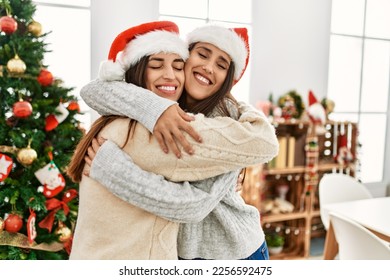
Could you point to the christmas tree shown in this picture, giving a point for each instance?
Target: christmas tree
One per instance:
(38, 133)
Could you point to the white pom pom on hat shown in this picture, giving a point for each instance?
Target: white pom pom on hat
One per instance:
(111, 71)
(233, 41)
(136, 42)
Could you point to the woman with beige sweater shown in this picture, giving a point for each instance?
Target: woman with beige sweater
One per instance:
(228, 145)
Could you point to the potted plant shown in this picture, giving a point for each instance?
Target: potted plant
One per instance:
(275, 243)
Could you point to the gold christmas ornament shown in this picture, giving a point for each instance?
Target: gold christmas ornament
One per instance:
(26, 156)
(35, 28)
(64, 232)
(16, 65)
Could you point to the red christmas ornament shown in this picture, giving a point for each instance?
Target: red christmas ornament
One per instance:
(22, 109)
(8, 25)
(74, 106)
(13, 223)
(45, 78)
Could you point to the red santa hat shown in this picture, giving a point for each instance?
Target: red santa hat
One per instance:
(312, 98)
(232, 41)
(142, 40)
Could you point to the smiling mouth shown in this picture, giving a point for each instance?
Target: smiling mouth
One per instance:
(203, 80)
(167, 89)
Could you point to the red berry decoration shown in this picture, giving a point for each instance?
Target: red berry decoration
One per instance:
(13, 223)
(8, 25)
(45, 78)
(22, 109)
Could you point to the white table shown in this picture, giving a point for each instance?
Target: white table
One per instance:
(374, 214)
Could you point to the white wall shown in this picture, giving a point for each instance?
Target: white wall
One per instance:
(290, 47)
(109, 18)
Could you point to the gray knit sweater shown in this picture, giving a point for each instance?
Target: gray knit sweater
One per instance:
(232, 230)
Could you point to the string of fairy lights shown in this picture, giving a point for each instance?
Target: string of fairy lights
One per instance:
(292, 230)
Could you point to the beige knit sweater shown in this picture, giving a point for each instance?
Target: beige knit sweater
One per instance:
(109, 228)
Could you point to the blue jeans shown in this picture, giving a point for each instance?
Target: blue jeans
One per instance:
(260, 254)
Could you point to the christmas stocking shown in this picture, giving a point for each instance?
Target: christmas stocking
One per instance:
(52, 180)
(53, 120)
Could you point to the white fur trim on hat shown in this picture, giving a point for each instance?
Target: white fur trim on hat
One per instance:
(226, 40)
(148, 44)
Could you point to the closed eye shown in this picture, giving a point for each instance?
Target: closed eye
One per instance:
(202, 55)
(178, 65)
(222, 66)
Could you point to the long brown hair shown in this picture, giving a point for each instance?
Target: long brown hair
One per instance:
(135, 75)
(215, 101)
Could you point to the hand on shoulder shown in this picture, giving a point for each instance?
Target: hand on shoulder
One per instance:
(169, 130)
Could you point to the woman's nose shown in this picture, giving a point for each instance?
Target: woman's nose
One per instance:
(208, 68)
(169, 73)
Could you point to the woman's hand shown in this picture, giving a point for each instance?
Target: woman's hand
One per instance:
(240, 180)
(92, 150)
(169, 131)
